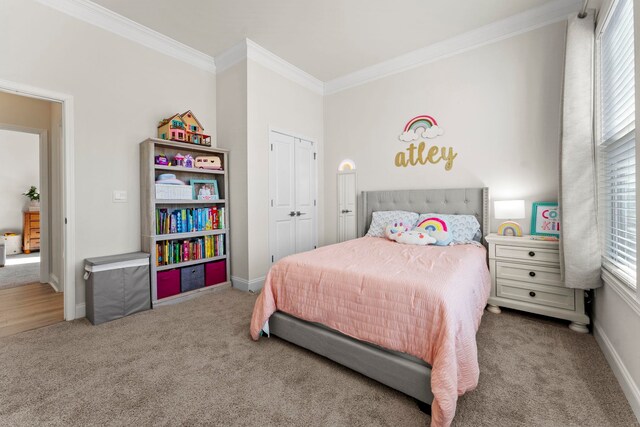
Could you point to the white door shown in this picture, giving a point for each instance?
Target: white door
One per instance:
(305, 190)
(347, 194)
(292, 187)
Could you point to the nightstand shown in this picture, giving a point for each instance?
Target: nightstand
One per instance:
(525, 275)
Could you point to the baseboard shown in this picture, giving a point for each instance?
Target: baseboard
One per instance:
(253, 285)
(55, 282)
(628, 385)
(81, 311)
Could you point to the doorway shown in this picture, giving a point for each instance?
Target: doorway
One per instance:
(292, 194)
(20, 224)
(34, 290)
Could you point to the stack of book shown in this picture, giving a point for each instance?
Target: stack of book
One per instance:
(176, 251)
(189, 220)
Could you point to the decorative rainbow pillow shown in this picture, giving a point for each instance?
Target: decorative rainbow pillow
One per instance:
(403, 234)
(438, 229)
(463, 228)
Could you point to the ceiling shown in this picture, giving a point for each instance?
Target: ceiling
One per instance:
(326, 38)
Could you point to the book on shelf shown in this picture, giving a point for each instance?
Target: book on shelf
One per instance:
(189, 220)
(176, 251)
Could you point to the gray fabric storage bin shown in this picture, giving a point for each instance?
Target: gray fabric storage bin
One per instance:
(3, 253)
(191, 278)
(117, 286)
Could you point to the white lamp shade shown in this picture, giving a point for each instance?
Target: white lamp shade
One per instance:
(509, 209)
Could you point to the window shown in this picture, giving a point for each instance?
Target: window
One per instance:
(616, 142)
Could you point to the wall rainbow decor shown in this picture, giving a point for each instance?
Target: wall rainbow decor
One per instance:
(423, 127)
(420, 121)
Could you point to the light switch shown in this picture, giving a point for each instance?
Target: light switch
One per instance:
(119, 196)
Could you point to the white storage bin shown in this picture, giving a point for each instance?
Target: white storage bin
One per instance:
(176, 192)
(13, 244)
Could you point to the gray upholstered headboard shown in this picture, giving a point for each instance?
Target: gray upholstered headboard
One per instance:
(467, 201)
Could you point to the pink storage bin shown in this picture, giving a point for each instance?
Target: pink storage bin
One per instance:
(215, 273)
(168, 283)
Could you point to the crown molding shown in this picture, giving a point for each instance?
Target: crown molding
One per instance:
(269, 60)
(248, 49)
(231, 56)
(532, 19)
(106, 19)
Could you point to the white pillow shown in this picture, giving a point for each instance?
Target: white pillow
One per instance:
(380, 219)
(399, 233)
(463, 228)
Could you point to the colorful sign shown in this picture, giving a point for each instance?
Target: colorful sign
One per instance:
(545, 219)
(423, 127)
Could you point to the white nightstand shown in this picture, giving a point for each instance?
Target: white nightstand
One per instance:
(525, 275)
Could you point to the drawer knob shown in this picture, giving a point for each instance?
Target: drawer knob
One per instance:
(532, 294)
(532, 273)
(531, 253)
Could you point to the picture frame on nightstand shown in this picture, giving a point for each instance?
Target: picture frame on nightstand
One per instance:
(545, 219)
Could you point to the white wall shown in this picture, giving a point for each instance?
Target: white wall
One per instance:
(251, 100)
(617, 310)
(279, 103)
(499, 106)
(19, 170)
(121, 90)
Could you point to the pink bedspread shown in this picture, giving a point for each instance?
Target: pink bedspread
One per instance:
(426, 301)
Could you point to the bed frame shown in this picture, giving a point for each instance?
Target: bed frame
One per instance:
(400, 371)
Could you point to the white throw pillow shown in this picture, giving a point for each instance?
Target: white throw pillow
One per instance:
(463, 228)
(380, 219)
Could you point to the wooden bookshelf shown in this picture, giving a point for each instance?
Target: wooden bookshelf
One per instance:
(149, 171)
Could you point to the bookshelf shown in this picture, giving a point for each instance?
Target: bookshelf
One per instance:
(188, 239)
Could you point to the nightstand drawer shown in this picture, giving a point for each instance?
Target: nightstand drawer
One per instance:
(528, 254)
(528, 273)
(552, 296)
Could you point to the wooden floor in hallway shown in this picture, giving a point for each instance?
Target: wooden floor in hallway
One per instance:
(29, 307)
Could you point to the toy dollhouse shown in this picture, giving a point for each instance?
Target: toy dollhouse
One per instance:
(183, 127)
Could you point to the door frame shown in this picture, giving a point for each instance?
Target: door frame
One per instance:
(68, 184)
(315, 189)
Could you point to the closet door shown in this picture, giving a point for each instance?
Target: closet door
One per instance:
(347, 206)
(292, 186)
(282, 216)
(305, 190)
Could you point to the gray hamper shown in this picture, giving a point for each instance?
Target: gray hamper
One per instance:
(3, 253)
(117, 286)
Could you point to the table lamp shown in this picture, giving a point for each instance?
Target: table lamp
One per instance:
(509, 210)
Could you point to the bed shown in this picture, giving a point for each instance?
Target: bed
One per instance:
(361, 304)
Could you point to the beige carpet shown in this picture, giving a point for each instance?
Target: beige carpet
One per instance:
(194, 363)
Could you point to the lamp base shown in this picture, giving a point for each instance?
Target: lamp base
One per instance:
(510, 228)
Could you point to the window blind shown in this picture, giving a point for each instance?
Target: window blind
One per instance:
(617, 145)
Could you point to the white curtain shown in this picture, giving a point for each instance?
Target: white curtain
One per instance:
(579, 243)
